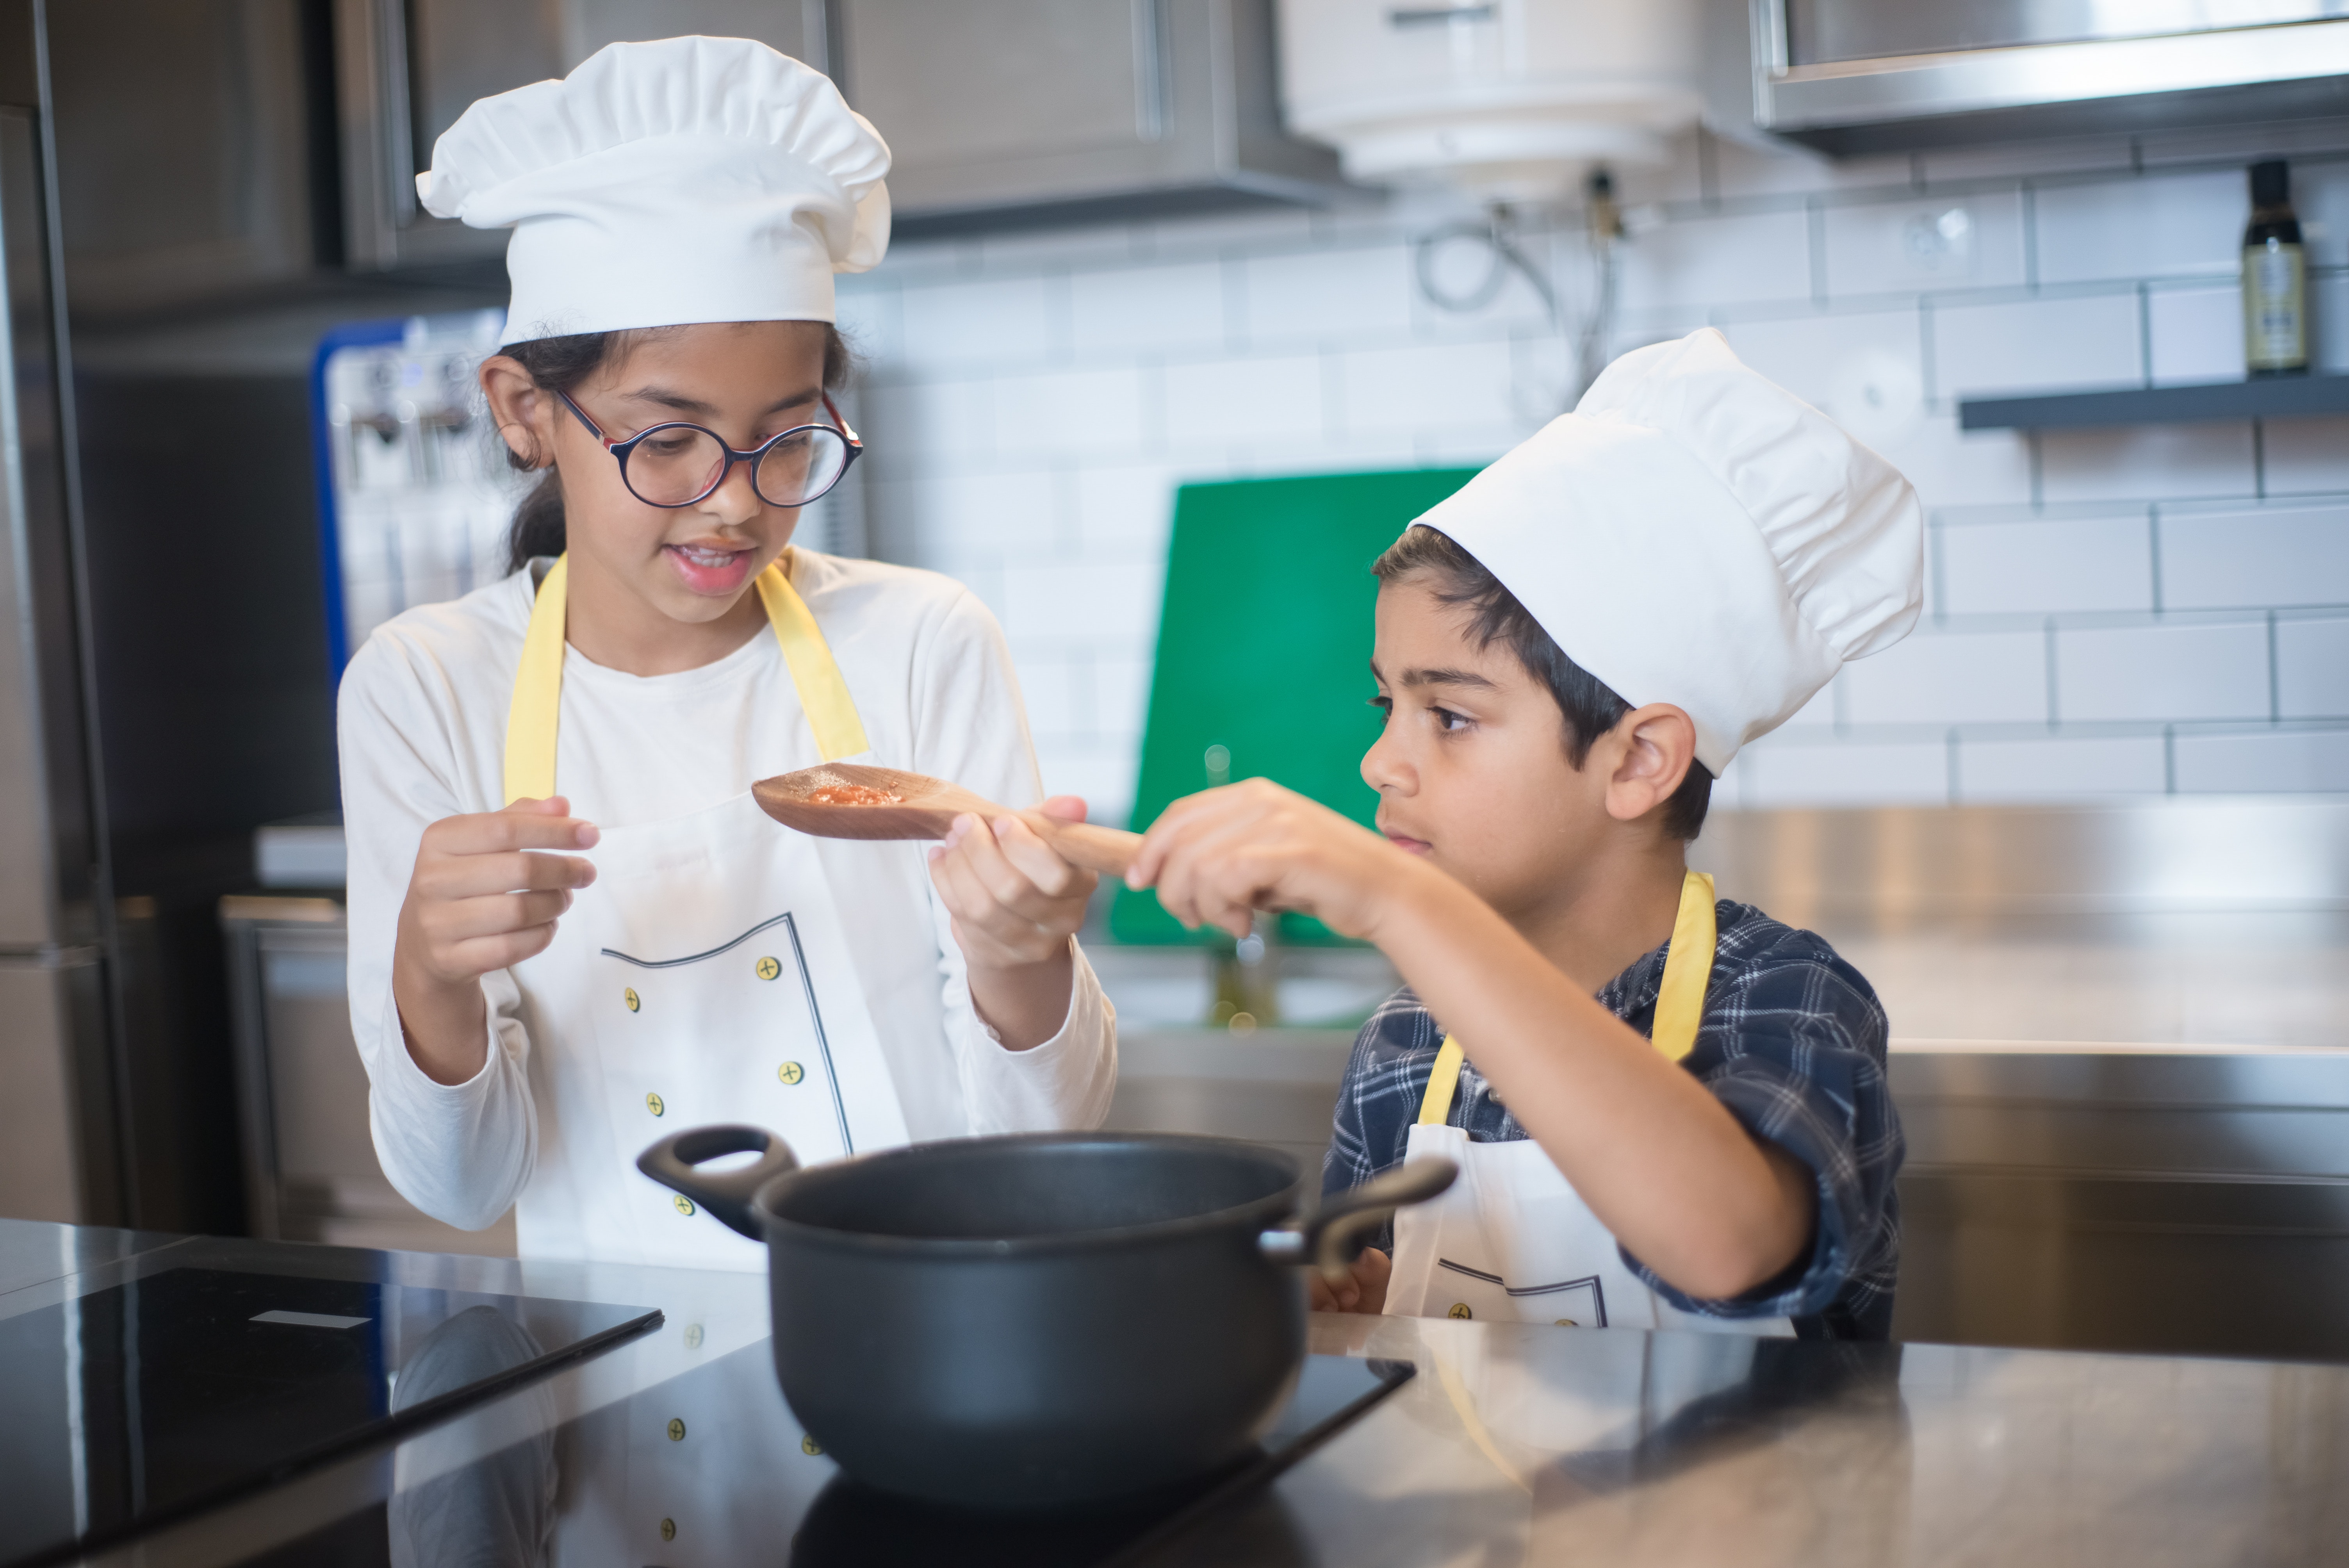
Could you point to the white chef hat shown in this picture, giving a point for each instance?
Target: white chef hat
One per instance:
(1693, 533)
(685, 180)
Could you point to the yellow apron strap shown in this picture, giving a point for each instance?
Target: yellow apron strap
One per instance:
(1435, 1105)
(1688, 968)
(823, 695)
(532, 721)
(1679, 999)
(538, 693)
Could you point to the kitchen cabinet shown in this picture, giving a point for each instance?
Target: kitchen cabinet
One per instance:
(1005, 112)
(187, 152)
(405, 70)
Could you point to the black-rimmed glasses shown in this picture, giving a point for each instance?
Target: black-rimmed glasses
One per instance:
(677, 464)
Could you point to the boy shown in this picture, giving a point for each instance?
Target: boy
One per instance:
(1668, 1111)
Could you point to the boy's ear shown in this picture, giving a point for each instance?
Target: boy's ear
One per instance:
(1654, 748)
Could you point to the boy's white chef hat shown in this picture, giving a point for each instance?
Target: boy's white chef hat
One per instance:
(1694, 533)
(685, 180)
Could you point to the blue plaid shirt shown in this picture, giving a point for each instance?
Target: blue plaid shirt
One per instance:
(1792, 1042)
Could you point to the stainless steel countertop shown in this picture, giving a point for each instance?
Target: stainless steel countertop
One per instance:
(1527, 1444)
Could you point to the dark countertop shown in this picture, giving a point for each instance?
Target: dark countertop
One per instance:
(1513, 1444)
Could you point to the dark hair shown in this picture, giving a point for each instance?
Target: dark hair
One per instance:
(562, 364)
(1588, 706)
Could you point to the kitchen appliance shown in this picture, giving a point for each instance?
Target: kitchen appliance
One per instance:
(59, 1140)
(1511, 99)
(167, 1393)
(1871, 75)
(1034, 1321)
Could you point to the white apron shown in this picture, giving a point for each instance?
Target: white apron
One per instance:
(1511, 1240)
(703, 977)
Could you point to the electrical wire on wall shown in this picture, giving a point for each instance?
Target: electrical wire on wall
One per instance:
(1501, 233)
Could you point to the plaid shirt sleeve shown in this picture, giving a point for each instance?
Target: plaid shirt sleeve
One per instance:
(1793, 1044)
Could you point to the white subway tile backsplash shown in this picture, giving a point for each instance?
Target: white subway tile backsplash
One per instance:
(1717, 261)
(908, 423)
(1429, 388)
(1863, 370)
(2150, 225)
(944, 520)
(1972, 677)
(1254, 401)
(2161, 672)
(1120, 697)
(1122, 309)
(2300, 456)
(2312, 669)
(2197, 333)
(1847, 773)
(1052, 688)
(869, 318)
(2293, 761)
(1917, 243)
(2061, 767)
(2147, 462)
(1951, 467)
(1108, 601)
(996, 320)
(1124, 513)
(2036, 344)
(2275, 557)
(1465, 269)
(2046, 566)
(1818, 714)
(1078, 414)
(1349, 293)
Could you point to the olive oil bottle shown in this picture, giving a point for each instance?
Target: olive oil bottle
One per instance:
(2275, 277)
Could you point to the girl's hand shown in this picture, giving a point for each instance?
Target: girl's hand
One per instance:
(478, 901)
(1015, 903)
(1364, 1288)
(1217, 858)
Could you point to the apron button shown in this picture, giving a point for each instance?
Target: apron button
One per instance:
(629, 996)
(684, 1204)
(668, 1530)
(810, 1447)
(768, 968)
(1460, 1309)
(676, 1430)
(653, 1104)
(790, 1072)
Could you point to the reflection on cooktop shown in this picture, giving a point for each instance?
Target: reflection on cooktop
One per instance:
(145, 1401)
(709, 1468)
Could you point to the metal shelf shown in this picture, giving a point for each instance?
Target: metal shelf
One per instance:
(2267, 398)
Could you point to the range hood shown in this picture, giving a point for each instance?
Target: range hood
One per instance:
(1875, 76)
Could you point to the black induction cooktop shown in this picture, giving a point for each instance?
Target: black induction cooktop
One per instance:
(709, 1468)
(124, 1409)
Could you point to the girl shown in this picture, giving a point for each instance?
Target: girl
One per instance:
(571, 929)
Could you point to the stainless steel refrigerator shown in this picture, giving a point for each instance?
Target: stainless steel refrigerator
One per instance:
(59, 1153)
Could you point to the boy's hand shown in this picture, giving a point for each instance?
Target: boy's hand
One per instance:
(1364, 1288)
(1217, 858)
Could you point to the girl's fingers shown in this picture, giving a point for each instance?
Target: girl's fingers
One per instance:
(1037, 864)
(482, 954)
(494, 915)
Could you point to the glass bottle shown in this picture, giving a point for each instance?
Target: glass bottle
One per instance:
(2275, 277)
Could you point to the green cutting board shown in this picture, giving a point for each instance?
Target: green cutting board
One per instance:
(1264, 650)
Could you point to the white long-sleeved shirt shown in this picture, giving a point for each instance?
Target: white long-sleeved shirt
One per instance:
(423, 720)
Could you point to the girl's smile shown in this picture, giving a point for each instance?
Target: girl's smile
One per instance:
(712, 571)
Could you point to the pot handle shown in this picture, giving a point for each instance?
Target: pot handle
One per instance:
(727, 1194)
(1332, 1235)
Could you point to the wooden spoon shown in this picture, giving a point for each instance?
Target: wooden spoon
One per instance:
(924, 808)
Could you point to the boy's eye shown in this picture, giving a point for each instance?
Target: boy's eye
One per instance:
(1445, 719)
(1383, 704)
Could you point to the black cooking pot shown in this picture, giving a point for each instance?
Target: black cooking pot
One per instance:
(1038, 1320)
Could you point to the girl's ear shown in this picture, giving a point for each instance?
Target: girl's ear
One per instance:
(519, 408)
